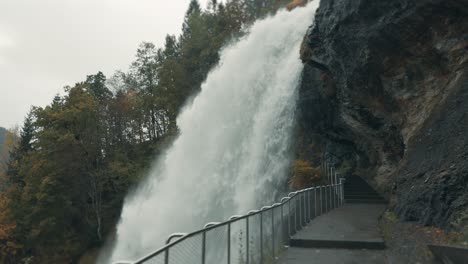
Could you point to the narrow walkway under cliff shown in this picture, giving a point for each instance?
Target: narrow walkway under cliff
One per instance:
(349, 234)
(346, 235)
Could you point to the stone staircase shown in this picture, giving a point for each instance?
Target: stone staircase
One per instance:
(357, 190)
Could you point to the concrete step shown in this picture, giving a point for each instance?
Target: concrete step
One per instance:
(363, 196)
(368, 201)
(341, 244)
(332, 256)
(361, 191)
(358, 188)
(357, 183)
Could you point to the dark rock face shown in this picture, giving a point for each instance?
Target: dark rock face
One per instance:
(385, 88)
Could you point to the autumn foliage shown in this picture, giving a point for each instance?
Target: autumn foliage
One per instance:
(296, 3)
(303, 174)
(77, 157)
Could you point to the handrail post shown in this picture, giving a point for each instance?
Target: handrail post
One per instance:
(315, 202)
(261, 236)
(301, 213)
(166, 256)
(308, 205)
(282, 224)
(339, 191)
(295, 214)
(304, 218)
(229, 243)
(312, 203)
(342, 191)
(204, 247)
(326, 198)
(331, 196)
(283, 227)
(298, 212)
(299, 209)
(330, 205)
(321, 201)
(273, 231)
(305, 208)
(336, 190)
(289, 219)
(247, 240)
(332, 187)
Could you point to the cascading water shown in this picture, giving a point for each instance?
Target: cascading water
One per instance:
(233, 151)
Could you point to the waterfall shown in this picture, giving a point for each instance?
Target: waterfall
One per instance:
(233, 151)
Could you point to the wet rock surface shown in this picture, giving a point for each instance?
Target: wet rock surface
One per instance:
(385, 93)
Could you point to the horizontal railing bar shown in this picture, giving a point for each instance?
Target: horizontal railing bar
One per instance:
(175, 235)
(211, 224)
(234, 217)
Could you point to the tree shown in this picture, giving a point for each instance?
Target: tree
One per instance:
(303, 174)
(9, 141)
(24, 146)
(145, 71)
(77, 157)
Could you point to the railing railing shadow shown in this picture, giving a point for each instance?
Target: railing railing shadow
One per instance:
(257, 237)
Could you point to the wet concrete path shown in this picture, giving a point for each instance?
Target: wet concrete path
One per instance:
(348, 234)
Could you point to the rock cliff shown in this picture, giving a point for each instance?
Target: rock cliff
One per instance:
(385, 95)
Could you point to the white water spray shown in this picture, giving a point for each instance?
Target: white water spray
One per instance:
(233, 151)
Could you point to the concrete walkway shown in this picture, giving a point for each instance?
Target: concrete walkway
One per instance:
(347, 235)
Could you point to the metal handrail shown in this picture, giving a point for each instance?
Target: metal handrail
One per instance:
(175, 235)
(211, 224)
(298, 206)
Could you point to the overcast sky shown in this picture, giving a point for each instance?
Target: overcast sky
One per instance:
(47, 44)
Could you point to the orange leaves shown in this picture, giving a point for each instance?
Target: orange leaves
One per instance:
(296, 3)
(5, 230)
(7, 245)
(3, 234)
(303, 174)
